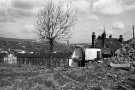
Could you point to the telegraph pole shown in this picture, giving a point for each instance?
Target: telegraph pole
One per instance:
(133, 32)
(68, 43)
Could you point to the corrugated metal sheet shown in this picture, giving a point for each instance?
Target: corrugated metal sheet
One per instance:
(120, 65)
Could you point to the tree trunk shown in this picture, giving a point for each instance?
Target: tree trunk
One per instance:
(51, 45)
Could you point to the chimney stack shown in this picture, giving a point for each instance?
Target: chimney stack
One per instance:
(103, 38)
(133, 32)
(121, 38)
(93, 39)
(110, 36)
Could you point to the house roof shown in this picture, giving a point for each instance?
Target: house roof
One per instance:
(112, 43)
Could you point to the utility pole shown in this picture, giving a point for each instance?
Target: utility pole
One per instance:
(104, 37)
(133, 32)
(68, 42)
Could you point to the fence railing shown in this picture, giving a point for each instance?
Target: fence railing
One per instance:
(47, 59)
(50, 61)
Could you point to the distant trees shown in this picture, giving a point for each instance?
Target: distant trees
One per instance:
(54, 22)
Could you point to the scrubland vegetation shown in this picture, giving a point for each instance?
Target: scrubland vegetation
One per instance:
(94, 77)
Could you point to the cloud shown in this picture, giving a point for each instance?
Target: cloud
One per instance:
(11, 10)
(5, 17)
(118, 25)
(28, 28)
(12, 14)
(17, 30)
(84, 9)
(112, 7)
(17, 13)
(93, 17)
(82, 5)
(22, 4)
(5, 20)
(18, 9)
(4, 4)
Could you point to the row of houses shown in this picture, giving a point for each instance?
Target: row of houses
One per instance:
(108, 44)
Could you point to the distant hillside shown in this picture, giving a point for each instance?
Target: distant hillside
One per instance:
(30, 45)
(15, 39)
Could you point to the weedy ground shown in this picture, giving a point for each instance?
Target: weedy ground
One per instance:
(94, 77)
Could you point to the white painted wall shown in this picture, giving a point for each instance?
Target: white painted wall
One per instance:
(91, 53)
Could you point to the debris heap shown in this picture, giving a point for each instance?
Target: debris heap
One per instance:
(126, 54)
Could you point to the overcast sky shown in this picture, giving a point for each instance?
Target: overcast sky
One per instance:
(117, 16)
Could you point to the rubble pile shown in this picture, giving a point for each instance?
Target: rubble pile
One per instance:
(126, 54)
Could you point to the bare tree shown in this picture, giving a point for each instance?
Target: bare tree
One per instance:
(54, 22)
